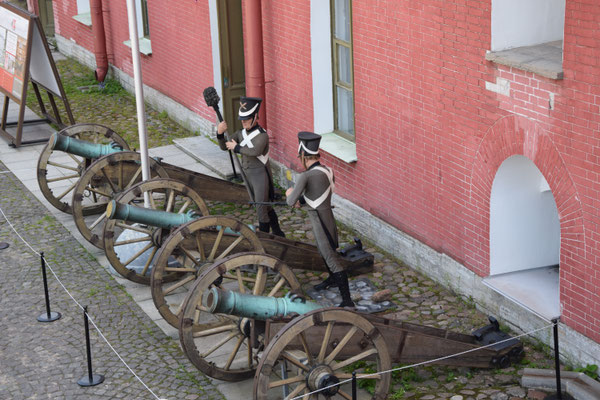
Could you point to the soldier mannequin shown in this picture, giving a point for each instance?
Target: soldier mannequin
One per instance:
(315, 188)
(252, 143)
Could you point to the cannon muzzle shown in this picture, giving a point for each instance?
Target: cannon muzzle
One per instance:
(148, 216)
(256, 307)
(82, 148)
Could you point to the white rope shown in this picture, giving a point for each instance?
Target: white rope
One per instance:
(79, 305)
(424, 362)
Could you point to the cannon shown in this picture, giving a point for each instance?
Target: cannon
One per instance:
(283, 340)
(177, 255)
(92, 173)
(58, 170)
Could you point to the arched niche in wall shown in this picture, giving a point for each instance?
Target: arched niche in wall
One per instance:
(524, 223)
(524, 237)
(511, 136)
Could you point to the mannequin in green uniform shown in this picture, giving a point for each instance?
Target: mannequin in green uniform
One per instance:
(315, 188)
(252, 143)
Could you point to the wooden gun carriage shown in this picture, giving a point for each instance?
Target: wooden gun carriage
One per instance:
(292, 346)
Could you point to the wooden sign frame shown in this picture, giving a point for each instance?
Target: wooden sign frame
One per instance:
(16, 69)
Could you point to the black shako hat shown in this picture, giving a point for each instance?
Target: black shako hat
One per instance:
(309, 143)
(249, 106)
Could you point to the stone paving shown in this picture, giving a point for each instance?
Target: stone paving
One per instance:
(45, 360)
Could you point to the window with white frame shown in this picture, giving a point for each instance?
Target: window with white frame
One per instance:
(332, 76)
(522, 28)
(83, 12)
(143, 27)
(341, 46)
(144, 19)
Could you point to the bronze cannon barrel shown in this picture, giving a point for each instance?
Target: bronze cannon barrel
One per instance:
(256, 307)
(147, 216)
(82, 148)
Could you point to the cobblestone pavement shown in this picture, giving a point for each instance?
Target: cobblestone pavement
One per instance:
(45, 360)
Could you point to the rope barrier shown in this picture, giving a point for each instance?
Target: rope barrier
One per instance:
(79, 305)
(366, 376)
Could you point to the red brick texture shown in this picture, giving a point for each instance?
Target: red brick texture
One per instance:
(429, 135)
(181, 62)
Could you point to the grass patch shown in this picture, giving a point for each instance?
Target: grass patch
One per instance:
(109, 105)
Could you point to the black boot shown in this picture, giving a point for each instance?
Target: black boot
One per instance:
(341, 278)
(326, 284)
(274, 222)
(263, 227)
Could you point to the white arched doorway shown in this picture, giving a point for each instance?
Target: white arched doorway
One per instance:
(524, 237)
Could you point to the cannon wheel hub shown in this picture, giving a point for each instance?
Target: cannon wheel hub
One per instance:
(320, 377)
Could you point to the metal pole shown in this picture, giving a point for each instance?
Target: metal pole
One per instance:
(48, 316)
(90, 379)
(353, 385)
(557, 360)
(139, 94)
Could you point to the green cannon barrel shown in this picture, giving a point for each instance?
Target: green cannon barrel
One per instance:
(256, 307)
(147, 216)
(82, 148)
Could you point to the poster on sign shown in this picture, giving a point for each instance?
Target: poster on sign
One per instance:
(25, 57)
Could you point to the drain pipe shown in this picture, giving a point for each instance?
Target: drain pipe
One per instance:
(99, 40)
(255, 69)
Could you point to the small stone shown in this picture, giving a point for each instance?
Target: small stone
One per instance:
(456, 397)
(536, 394)
(516, 391)
(382, 295)
(356, 297)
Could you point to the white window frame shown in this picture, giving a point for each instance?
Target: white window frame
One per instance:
(322, 83)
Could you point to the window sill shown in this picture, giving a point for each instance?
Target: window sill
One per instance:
(544, 59)
(338, 147)
(144, 44)
(85, 18)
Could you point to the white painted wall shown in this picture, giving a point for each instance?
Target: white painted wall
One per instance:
(83, 6)
(517, 23)
(216, 50)
(320, 49)
(524, 224)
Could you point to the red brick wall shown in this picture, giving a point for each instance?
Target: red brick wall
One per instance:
(429, 135)
(288, 76)
(181, 62)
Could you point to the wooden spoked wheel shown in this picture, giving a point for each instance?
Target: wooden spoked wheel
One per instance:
(105, 179)
(187, 250)
(220, 345)
(58, 172)
(319, 349)
(131, 247)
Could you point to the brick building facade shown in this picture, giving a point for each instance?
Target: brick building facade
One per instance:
(441, 101)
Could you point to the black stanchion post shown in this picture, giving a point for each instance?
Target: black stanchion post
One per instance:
(48, 316)
(90, 379)
(354, 385)
(559, 395)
